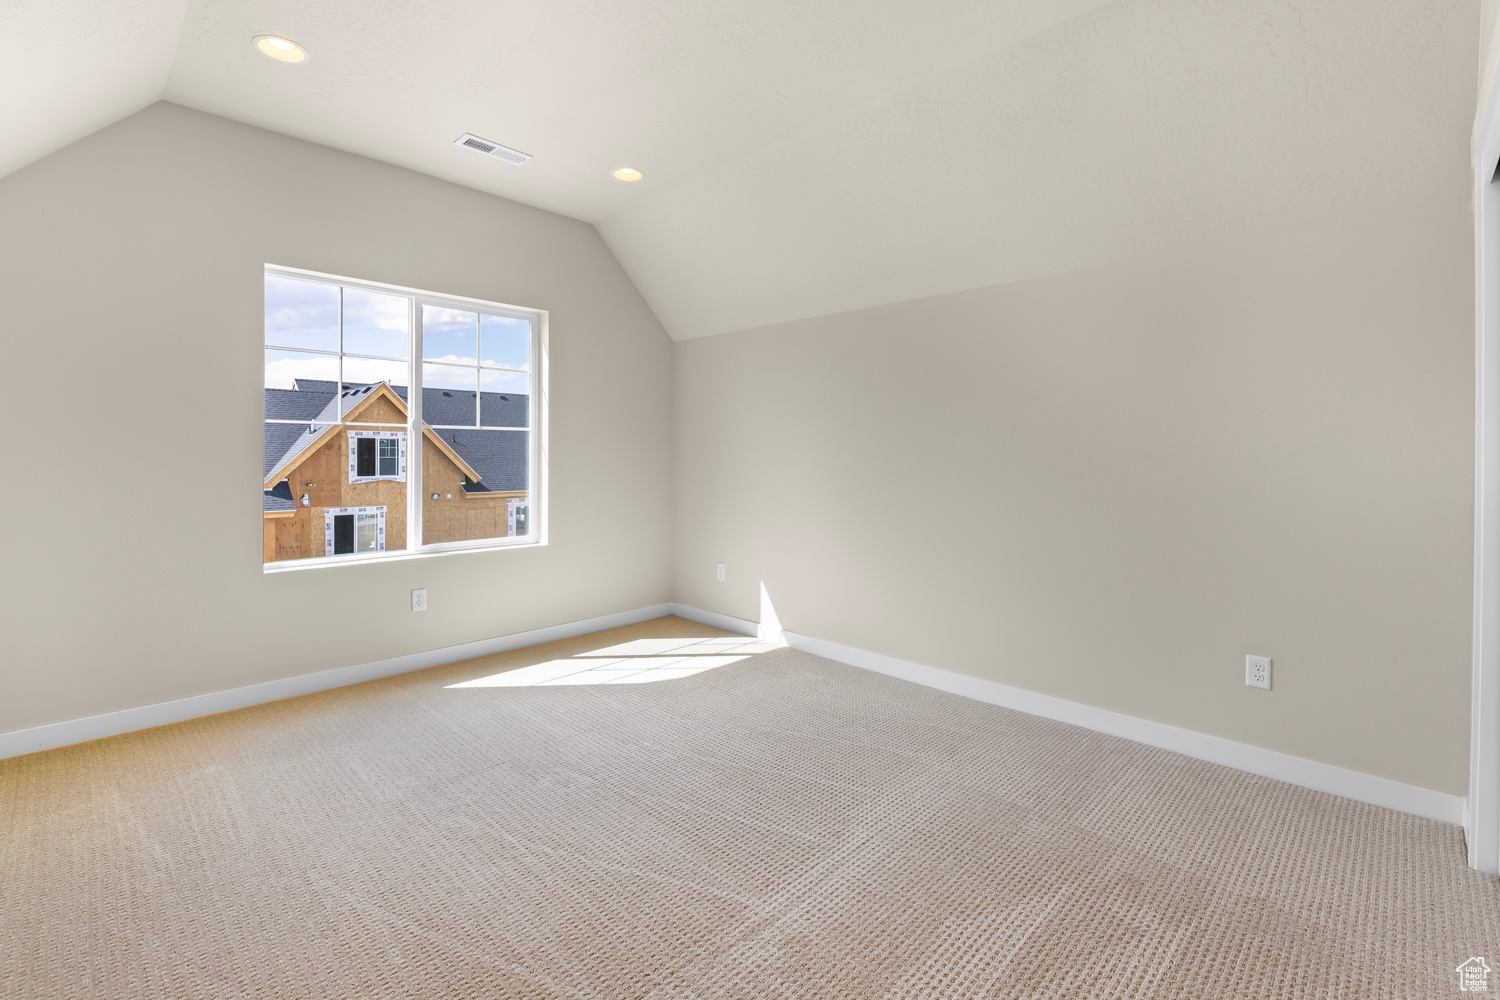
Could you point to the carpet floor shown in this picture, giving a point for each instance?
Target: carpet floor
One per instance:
(665, 811)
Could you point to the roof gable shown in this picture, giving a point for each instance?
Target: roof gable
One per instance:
(306, 442)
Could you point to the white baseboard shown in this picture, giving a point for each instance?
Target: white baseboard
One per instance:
(1257, 760)
(112, 723)
(713, 618)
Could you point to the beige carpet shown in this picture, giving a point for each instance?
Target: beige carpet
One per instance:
(773, 826)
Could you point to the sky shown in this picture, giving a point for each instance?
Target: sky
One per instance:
(305, 314)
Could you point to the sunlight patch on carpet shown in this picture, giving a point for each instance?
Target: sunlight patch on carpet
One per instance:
(602, 670)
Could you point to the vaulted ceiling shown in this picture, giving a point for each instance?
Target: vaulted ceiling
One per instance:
(807, 158)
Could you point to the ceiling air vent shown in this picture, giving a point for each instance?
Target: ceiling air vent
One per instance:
(488, 148)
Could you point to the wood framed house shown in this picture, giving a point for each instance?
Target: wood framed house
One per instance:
(337, 484)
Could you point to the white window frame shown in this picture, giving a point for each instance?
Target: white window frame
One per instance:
(329, 513)
(411, 465)
(399, 436)
(1482, 804)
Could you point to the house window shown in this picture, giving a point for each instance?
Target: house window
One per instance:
(397, 420)
(377, 455)
(347, 530)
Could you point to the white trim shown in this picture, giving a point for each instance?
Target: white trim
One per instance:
(112, 723)
(431, 551)
(538, 480)
(713, 618)
(416, 427)
(1257, 760)
(1482, 820)
(461, 301)
(1283, 767)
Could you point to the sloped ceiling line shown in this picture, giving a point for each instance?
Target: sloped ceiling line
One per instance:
(805, 159)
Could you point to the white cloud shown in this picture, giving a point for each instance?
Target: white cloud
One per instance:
(454, 359)
(437, 316)
(504, 382)
(296, 306)
(524, 366)
(281, 369)
(372, 309)
(365, 370)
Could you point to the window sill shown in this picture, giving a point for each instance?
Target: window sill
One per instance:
(459, 548)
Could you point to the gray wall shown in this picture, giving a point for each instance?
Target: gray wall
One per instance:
(1111, 485)
(130, 271)
(1107, 485)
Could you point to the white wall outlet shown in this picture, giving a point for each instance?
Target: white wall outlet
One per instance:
(419, 599)
(1258, 672)
(719, 572)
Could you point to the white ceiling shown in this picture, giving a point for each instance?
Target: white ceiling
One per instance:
(71, 67)
(1135, 128)
(806, 158)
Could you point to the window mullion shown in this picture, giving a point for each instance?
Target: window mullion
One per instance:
(414, 494)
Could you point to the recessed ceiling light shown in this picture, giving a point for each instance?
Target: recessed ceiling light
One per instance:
(628, 174)
(281, 49)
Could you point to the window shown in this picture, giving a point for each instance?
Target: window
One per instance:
(397, 421)
(377, 455)
(349, 530)
(516, 517)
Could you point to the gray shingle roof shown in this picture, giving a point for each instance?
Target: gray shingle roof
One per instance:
(285, 441)
(289, 404)
(499, 457)
(280, 498)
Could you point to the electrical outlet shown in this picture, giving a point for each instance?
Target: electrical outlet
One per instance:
(419, 599)
(719, 572)
(1258, 672)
